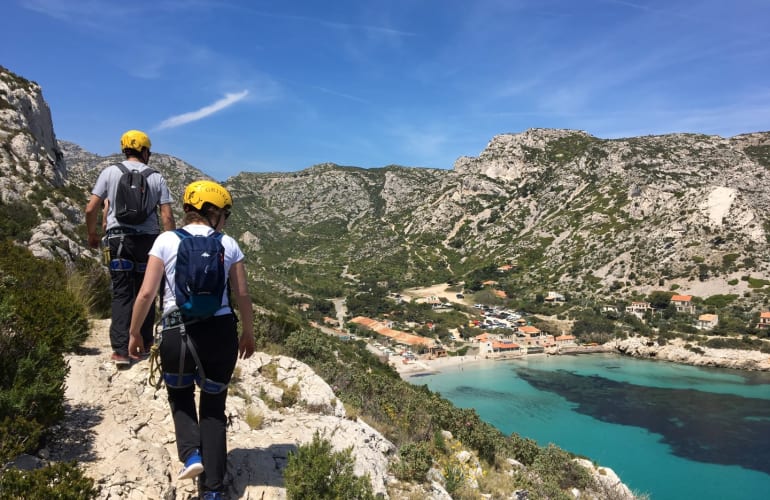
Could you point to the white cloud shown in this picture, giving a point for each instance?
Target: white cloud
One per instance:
(192, 116)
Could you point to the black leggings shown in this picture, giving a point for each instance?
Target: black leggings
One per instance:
(125, 287)
(216, 342)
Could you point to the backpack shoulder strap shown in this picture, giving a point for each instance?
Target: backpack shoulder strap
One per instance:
(122, 167)
(182, 234)
(148, 172)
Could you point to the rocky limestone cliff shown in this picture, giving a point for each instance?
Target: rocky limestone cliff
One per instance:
(678, 351)
(32, 166)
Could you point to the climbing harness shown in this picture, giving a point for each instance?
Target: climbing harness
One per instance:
(119, 263)
(173, 321)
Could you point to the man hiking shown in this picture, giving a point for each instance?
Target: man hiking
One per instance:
(132, 192)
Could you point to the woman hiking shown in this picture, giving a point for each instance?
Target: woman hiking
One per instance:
(199, 351)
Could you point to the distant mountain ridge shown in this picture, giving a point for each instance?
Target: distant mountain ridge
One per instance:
(566, 209)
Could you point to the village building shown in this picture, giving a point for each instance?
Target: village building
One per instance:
(554, 297)
(565, 340)
(764, 320)
(639, 309)
(707, 322)
(505, 346)
(399, 337)
(683, 304)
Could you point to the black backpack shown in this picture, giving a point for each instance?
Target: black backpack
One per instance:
(132, 201)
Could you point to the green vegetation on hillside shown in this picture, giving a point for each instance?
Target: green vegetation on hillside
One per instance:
(411, 416)
(40, 320)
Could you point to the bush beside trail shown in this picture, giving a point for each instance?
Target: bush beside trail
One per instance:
(40, 320)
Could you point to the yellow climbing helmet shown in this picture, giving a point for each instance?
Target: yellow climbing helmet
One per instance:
(135, 139)
(199, 192)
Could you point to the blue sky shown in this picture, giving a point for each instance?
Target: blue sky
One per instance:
(231, 86)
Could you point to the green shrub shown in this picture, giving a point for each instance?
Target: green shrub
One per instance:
(16, 220)
(16, 436)
(525, 450)
(90, 283)
(62, 481)
(32, 387)
(39, 320)
(414, 462)
(556, 464)
(317, 472)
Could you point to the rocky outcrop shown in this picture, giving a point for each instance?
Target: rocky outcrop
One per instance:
(119, 427)
(678, 351)
(32, 166)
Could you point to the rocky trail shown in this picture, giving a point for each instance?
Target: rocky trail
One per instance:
(120, 429)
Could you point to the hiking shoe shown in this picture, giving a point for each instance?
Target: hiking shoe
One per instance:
(192, 466)
(213, 495)
(120, 360)
(141, 356)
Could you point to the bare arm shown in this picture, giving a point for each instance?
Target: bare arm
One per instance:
(144, 300)
(167, 217)
(92, 211)
(104, 215)
(243, 300)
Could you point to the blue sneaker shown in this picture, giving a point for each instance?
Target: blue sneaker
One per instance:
(213, 495)
(192, 466)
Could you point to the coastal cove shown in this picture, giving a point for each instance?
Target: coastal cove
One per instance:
(669, 430)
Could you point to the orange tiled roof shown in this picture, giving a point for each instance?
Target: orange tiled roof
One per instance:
(708, 317)
(501, 294)
(681, 298)
(529, 329)
(398, 336)
(565, 337)
(504, 345)
(765, 314)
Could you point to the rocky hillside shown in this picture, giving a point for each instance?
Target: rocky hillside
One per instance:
(568, 210)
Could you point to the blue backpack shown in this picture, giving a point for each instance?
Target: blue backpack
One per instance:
(200, 275)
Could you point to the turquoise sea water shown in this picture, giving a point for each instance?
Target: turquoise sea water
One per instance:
(668, 430)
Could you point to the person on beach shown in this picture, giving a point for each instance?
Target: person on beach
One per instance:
(204, 351)
(128, 243)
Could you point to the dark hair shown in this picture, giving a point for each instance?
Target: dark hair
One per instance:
(129, 152)
(192, 214)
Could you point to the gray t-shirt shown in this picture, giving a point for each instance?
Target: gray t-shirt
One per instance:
(107, 185)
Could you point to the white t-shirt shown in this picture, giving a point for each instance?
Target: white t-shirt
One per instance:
(165, 248)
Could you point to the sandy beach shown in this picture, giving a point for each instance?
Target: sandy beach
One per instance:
(437, 365)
